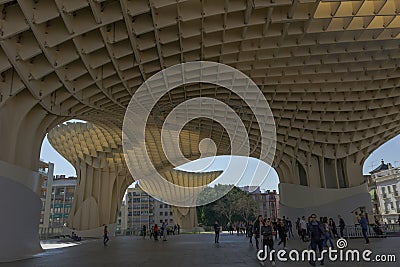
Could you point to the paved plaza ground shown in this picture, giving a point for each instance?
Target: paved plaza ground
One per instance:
(185, 250)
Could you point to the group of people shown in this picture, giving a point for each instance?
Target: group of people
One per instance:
(163, 231)
(239, 227)
(318, 232)
(155, 232)
(302, 227)
(281, 229)
(75, 237)
(246, 228)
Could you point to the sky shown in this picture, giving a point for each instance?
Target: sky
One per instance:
(263, 175)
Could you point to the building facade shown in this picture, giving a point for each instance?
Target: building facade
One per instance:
(138, 209)
(57, 195)
(386, 179)
(46, 175)
(267, 201)
(163, 212)
(376, 208)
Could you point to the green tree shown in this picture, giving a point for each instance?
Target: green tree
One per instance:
(247, 207)
(227, 206)
(236, 205)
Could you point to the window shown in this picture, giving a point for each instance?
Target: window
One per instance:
(161, 206)
(383, 190)
(161, 213)
(392, 205)
(170, 213)
(166, 213)
(165, 206)
(389, 189)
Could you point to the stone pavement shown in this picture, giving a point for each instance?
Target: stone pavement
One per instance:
(186, 250)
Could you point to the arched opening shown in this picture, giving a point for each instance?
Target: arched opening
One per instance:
(382, 169)
(57, 192)
(387, 151)
(101, 178)
(260, 182)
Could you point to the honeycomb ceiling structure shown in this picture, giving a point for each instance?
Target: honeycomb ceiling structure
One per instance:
(89, 144)
(329, 69)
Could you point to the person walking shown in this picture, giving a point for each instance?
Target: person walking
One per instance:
(151, 232)
(342, 225)
(144, 229)
(364, 227)
(282, 230)
(164, 229)
(249, 231)
(267, 240)
(298, 227)
(217, 229)
(155, 232)
(274, 224)
(316, 231)
(303, 227)
(328, 234)
(289, 226)
(105, 236)
(332, 227)
(257, 230)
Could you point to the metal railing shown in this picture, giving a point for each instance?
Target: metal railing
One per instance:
(391, 228)
(350, 231)
(356, 231)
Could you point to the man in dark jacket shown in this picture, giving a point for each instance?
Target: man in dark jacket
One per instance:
(342, 225)
(268, 241)
(282, 230)
(316, 230)
(216, 230)
(257, 230)
(249, 231)
(364, 227)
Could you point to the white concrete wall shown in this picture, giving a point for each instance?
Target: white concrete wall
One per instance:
(19, 223)
(186, 218)
(20, 208)
(23, 176)
(297, 201)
